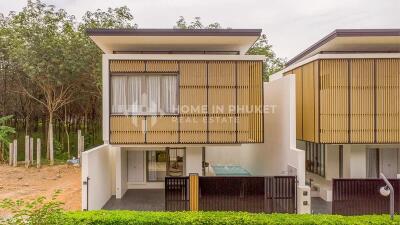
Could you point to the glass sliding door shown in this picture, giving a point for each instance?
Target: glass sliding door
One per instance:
(175, 166)
(160, 164)
(156, 165)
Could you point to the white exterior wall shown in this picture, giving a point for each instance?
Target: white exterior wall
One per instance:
(96, 164)
(278, 152)
(358, 162)
(193, 160)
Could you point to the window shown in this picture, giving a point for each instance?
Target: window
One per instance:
(315, 158)
(144, 94)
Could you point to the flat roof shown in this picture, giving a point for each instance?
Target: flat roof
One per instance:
(353, 40)
(111, 40)
(173, 32)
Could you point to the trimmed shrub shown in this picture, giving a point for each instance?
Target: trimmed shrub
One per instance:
(229, 218)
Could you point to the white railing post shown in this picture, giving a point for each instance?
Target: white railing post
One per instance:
(27, 151)
(38, 153)
(31, 151)
(10, 154)
(15, 151)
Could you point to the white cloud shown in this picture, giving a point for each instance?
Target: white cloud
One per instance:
(292, 25)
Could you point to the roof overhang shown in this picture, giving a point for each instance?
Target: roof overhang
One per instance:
(116, 40)
(353, 41)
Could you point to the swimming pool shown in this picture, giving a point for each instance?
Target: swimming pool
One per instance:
(230, 171)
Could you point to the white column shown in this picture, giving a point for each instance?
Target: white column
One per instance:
(120, 172)
(15, 151)
(79, 151)
(27, 151)
(31, 152)
(38, 153)
(193, 160)
(10, 154)
(106, 100)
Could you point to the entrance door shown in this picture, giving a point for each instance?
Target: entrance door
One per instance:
(388, 162)
(136, 166)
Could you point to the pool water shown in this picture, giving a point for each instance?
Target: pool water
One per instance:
(230, 171)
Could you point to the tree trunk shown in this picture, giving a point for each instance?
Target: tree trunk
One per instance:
(50, 138)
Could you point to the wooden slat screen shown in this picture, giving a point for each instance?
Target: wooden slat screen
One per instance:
(124, 66)
(362, 101)
(208, 92)
(127, 129)
(388, 100)
(355, 101)
(308, 108)
(334, 101)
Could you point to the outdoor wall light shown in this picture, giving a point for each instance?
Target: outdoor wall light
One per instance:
(385, 191)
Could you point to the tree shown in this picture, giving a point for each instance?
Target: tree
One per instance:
(39, 37)
(5, 132)
(272, 63)
(195, 24)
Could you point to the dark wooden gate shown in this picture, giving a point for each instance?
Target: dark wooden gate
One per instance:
(251, 194)
(176, 193)
(361, 196)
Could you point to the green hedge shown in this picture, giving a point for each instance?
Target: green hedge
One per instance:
(228, 218)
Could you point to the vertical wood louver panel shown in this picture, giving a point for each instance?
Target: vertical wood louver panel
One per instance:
(334, 100)
(308, 113)
(316, 100)
(250, 102)
(126, 66)
(162, 66)
(299, 102)
(192, 74)
(221, 98)
(362, 101)
(162, 129)
(127, 129)
(388, 103)
(193, 101)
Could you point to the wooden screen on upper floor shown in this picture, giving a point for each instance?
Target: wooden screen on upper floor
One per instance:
(219, 102)
(348, 101)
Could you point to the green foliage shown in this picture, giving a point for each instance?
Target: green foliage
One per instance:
(5, 131)
(39, 211)
(60, 154)
(272, 64)
(228, 218)
(195, 24)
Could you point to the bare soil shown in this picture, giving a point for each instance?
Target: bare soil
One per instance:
(30, 183)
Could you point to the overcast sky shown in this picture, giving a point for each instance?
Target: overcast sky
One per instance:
(291, 25)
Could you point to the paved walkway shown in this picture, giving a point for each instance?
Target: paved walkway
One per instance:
(320, 206)
(138, 199)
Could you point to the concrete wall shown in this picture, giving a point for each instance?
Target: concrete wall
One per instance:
(97, 166)
(121, 171)
(194, 160)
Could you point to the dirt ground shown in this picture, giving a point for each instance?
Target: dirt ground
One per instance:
(22, 183)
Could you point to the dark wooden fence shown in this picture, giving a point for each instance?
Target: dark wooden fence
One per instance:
(251, 194)
(361, 196)
(176, 193)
